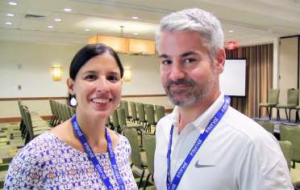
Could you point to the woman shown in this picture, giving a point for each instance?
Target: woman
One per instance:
(80, 153)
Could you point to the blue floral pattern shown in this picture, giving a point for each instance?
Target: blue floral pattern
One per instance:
(49, 163)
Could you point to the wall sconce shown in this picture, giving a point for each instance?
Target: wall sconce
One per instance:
(57, 72)
(127, 74)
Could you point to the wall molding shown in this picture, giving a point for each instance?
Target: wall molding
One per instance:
(18, 119)
(65, 98)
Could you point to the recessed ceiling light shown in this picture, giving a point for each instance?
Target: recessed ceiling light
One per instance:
(57, 20)
(68, 9)
(8, 23)
(50, 27)
(12, 3)
(87, 30)
(231, 31)
(135, 33)
(135, 17)
(10, 14)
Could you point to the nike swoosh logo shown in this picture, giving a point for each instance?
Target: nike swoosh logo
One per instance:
(198, 165)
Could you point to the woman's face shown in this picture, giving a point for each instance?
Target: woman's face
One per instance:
(97, 86)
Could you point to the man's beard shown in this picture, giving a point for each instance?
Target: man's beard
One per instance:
(192, 94)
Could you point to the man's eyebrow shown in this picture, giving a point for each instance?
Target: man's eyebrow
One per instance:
(163, 56)
(188, 54)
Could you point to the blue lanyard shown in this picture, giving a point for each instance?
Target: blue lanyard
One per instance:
(92, 157)
(211, 125)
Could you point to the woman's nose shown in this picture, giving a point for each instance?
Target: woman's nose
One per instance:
(102, 85)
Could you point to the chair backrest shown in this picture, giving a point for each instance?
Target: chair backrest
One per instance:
(292, 134)
(29, 126)
(51, 106)
(267, 125)
(273, 96)
(125, 106)
(141, 111)
(121, 117)
(292, 97)
(132, 137)
(133, 110)
(115, 119)
(149, 146)
(287, 149)
(160, 112)
(150, 114)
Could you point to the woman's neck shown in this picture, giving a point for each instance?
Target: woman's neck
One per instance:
(93, 129)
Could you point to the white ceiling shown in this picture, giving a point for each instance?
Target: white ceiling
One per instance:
(253, 21)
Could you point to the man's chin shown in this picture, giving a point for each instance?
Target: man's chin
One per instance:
(181, 101)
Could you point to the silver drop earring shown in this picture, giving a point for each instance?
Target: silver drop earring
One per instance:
(73, 101)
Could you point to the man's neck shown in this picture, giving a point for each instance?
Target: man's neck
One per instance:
(188, 114)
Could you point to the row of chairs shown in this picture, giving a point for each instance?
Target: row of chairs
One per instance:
(290, 145)
(142, 159)
(273, 102)
(60, 112)
(145, 115)
(31, 123)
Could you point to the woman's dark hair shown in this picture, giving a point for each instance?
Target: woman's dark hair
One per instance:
(88, 52)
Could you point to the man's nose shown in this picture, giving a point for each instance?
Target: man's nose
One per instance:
(177, 72)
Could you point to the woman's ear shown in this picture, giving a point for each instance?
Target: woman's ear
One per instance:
(70, 85)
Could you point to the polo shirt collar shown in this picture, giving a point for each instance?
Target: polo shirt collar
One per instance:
(200, 122)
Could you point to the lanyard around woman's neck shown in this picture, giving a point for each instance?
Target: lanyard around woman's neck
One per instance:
(172, 185)
(92, 157)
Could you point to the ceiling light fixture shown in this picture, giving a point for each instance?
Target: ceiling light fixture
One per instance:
(230, 31)
(57, 20)
(135, 17)
(10, 14)
(87, 30)
(8, 23)
(125, 45)
(12, 3)
(50, 27)
(67, 9)
(135, 33)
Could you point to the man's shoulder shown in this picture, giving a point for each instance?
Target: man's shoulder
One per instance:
(245, 126)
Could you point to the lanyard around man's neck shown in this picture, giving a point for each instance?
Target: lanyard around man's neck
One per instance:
(202, 137)
(92, 157)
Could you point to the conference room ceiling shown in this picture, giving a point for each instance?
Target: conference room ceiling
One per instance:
(248, 21)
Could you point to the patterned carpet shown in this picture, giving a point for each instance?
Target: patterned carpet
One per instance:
(10, 142)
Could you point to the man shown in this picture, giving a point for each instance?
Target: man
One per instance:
(204, 143)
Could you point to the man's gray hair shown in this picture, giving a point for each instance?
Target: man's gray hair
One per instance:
(208, 26)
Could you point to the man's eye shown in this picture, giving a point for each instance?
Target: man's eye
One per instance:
(189, 60)
(166, 62)
(113, 78)
(90, 77)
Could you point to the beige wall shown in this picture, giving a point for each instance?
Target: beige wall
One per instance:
(288, 65)
(29, 65)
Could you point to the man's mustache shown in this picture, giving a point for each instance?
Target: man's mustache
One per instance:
(180, 82)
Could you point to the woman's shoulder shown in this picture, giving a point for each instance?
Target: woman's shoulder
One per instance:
(36, 147)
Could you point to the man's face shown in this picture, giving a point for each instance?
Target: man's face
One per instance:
(188, 74)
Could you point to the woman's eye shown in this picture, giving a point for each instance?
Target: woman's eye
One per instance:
(90, 77)
(113, 78)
